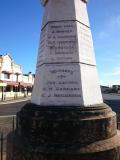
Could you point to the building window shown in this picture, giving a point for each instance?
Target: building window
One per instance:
(8, 89)
(16, 89)
(6, 76)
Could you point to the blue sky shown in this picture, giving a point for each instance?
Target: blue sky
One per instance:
(20, 22)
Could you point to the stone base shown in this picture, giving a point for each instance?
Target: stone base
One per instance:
(62, 133)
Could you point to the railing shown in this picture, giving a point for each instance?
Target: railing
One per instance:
(7, 124)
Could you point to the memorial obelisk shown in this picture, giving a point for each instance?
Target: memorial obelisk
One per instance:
(66, 69)
(66, 119)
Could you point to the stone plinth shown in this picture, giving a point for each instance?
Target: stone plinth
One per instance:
(75, 133)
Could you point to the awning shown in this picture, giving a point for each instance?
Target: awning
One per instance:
(10, 83)
(7, 72)
(26, 84)
(3, 84)
(17, 73)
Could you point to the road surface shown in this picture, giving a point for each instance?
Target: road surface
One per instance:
(12, 108)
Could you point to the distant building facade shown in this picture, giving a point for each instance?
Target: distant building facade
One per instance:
(105, 89)
(116, 88)
(13, 83)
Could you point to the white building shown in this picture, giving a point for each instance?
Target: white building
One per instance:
(13, 83)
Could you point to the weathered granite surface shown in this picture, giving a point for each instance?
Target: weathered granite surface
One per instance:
(55, 133)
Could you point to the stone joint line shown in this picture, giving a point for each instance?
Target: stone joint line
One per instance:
(67, 63)
(64, 21)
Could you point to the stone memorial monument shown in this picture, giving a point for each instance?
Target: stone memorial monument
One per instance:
(66, 119)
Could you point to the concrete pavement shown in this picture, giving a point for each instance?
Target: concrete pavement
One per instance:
(111, 96)
(15, 100)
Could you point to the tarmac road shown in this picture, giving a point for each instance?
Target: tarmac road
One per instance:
(11, 108)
